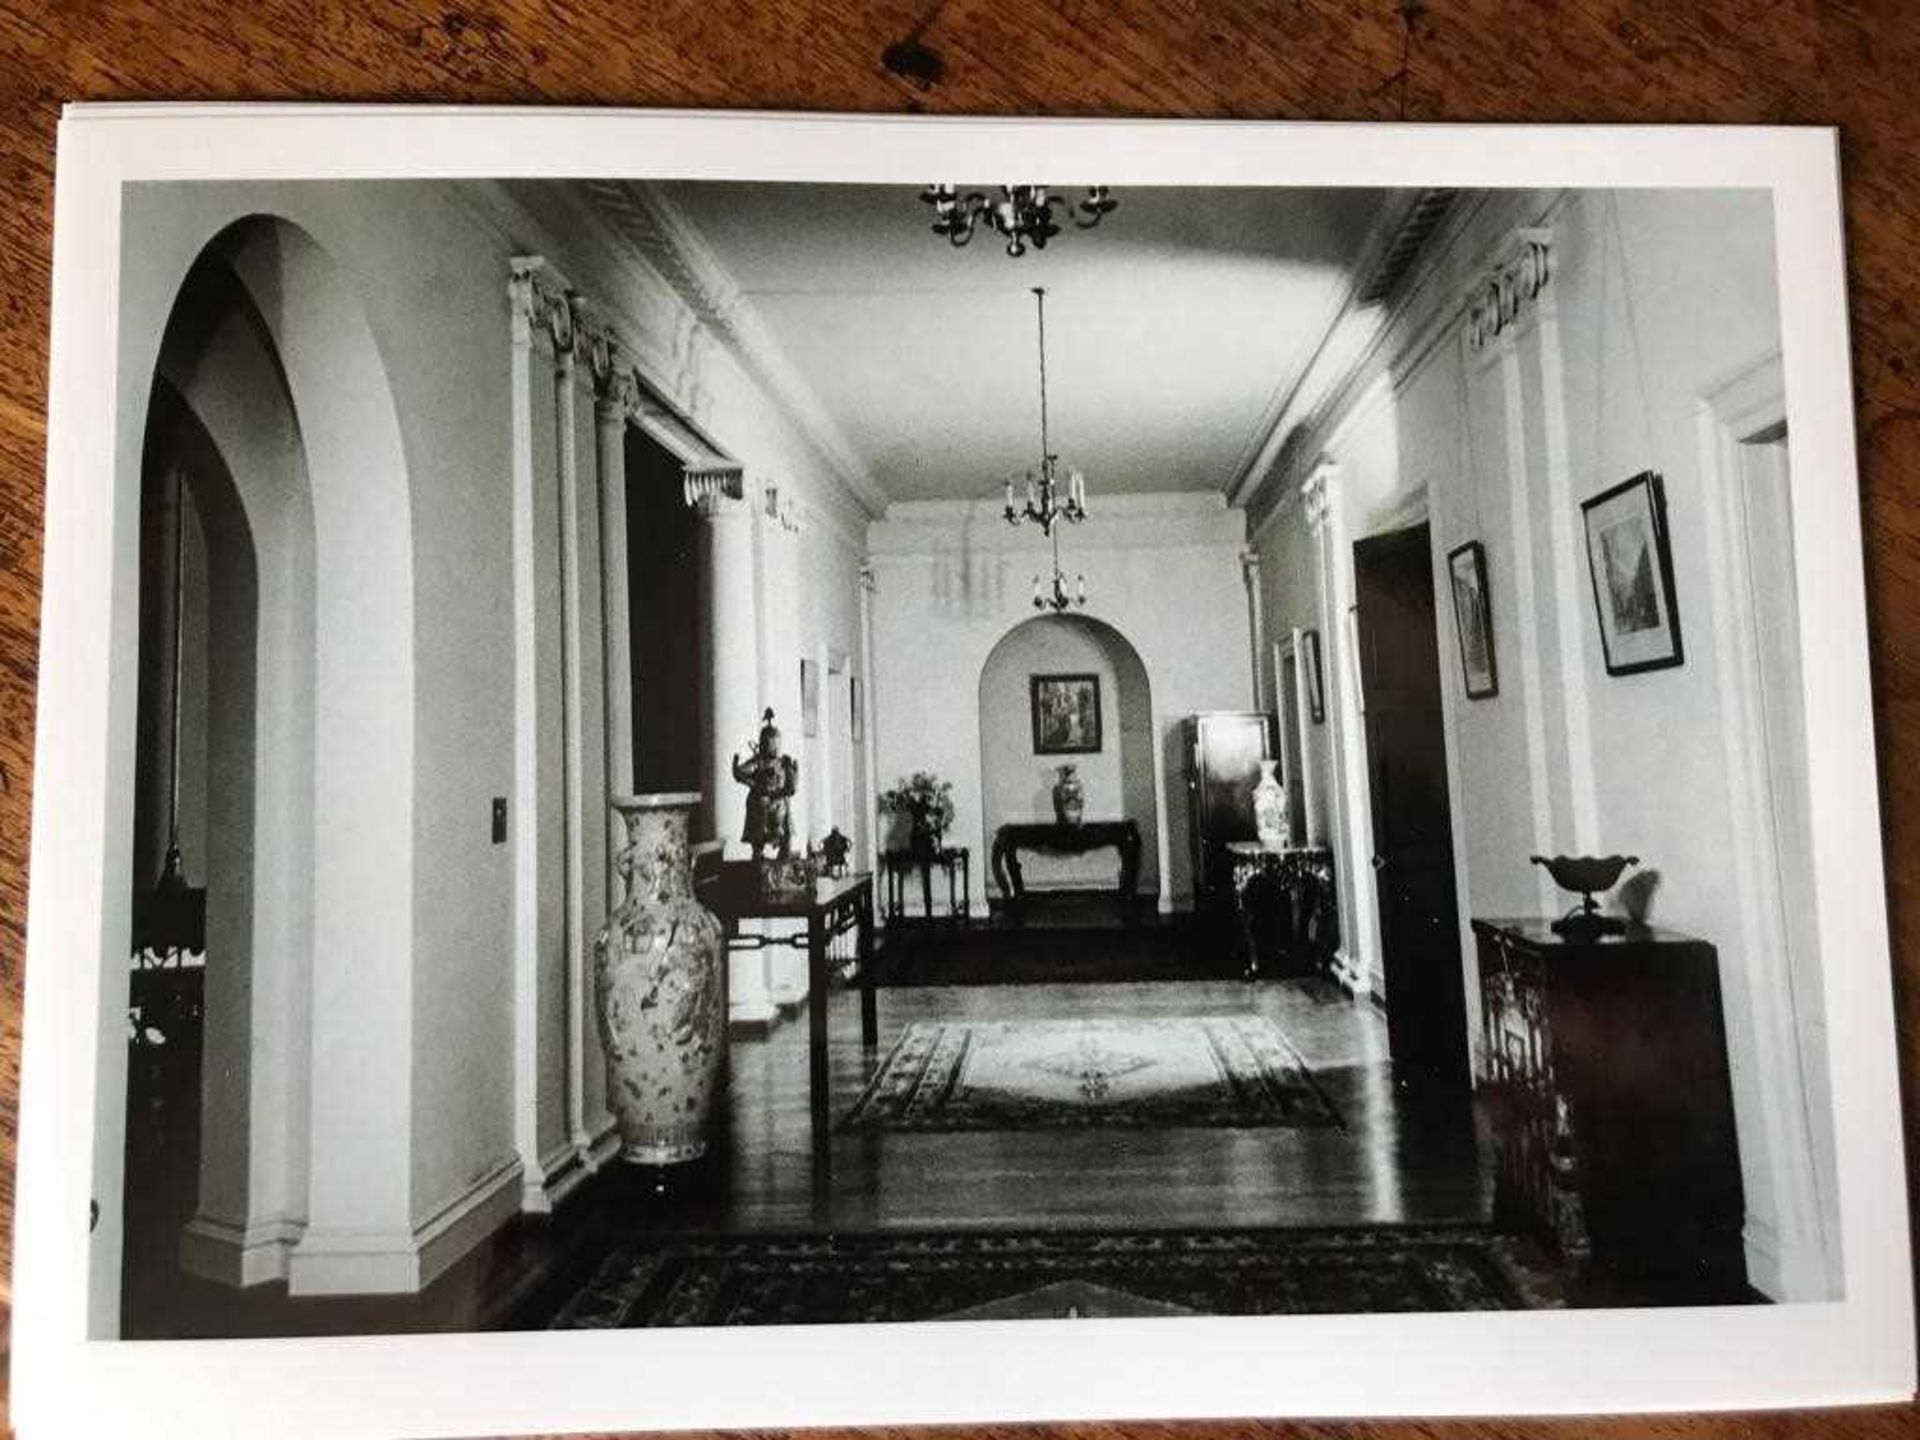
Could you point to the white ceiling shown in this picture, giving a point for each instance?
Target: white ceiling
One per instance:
(1173, 329)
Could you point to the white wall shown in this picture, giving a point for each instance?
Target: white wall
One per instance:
(953, 578)
(1654, 298)
(427, 1085)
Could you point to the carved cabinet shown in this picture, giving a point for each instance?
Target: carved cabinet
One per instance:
(1604, 1079)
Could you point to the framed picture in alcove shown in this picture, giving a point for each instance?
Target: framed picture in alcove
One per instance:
(1473, 619)
(1066, 714)
(1631, 564)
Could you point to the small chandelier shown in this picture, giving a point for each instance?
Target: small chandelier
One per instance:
(1049, 500)
(1023, 215)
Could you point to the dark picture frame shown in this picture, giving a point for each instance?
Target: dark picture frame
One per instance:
(1630, 562)
(1473, 619)
(858, 728)
(1316, 681)
(1066, 714)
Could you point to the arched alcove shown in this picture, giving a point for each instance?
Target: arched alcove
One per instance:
(271, 405)
(1016, 782)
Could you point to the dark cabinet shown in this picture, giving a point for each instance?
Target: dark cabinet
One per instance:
(1605, 1082)
(1224, 749)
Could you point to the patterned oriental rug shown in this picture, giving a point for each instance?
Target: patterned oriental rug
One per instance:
(1227, 1072)
(788, 1280)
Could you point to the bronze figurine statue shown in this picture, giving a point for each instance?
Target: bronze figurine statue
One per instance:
(771, 779)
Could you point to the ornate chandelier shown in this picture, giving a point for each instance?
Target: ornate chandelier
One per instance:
(1022, 215)
(1049, 500)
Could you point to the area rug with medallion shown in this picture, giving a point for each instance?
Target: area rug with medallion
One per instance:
(1215, 1072)
(798, 1280)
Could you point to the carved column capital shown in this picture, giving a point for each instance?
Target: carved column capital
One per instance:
(1318, 495)
(868, 582)
(538, 300)
(1250, 566)
(781, 511)
(1510, 287)
(715, 490)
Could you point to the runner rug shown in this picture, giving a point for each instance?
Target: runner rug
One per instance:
(1215, 1072)
(797, 1280)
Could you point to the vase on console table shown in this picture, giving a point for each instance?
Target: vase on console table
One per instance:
(1069, 797)
(657, 972)
(1270, 807)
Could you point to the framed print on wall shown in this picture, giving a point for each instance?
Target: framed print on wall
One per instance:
(1316, 683)
(1473, 619)
(1631, 564)
(1066, 714)
(809, 698)
(859, 724)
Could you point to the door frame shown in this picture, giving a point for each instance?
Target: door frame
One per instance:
(1795, 1253)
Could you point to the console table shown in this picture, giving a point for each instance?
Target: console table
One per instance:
(1605, 1079)
(1304, 872)
(955, 860)
(1055, 838)
(834, 907)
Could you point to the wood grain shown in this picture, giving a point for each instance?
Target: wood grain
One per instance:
(1793, 61)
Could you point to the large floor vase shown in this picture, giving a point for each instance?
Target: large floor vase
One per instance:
(657, 974)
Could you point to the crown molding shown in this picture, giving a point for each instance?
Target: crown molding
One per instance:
(1307, 413)
(1270, 435)
(670, 245)
(1155, 521)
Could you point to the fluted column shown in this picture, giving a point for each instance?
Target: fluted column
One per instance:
(1256, 621)
(868, 820)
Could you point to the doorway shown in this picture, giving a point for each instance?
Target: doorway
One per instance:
(663, 579)
(1412, 818)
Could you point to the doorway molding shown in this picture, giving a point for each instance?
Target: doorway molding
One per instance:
(1793, 1253)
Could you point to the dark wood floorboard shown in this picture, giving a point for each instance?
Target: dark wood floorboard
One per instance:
(1398, 1157)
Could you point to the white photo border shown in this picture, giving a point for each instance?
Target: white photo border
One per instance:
(1854, 1350)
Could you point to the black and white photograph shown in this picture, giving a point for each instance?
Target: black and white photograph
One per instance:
(1473, 619)
(1066, 714)
(1632, 568)
(652, 790)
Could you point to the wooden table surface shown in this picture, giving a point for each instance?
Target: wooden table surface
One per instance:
(1852, 65)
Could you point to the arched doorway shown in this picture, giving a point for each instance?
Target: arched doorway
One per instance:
(1016, 782)
(276, 523)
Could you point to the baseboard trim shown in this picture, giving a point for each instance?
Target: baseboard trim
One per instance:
(1782, 1270)
(403, 1262)
(238, 1255)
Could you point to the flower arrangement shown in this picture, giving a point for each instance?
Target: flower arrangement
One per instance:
(926, 801)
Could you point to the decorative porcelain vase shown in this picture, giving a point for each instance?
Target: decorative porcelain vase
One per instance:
(658, 976)
(1069, 797)
(922, 838)
(1270, 807)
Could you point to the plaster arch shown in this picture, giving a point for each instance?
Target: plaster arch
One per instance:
(1126, 777)
(263, 323)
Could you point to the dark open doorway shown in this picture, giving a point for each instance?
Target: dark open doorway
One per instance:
(1412, 818)
(663, 588)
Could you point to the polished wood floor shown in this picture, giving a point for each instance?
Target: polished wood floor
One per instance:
(1400, 1156)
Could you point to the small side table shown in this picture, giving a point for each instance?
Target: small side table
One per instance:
(1305, 872)
(955, 860)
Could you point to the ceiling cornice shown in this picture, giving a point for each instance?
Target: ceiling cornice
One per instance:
(643, 217)
(1298, 407)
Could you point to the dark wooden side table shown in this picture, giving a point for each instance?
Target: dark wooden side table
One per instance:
(834, 907)
(1304, 872)
(1606, 1083)
(1056, 838)
(897, 866)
